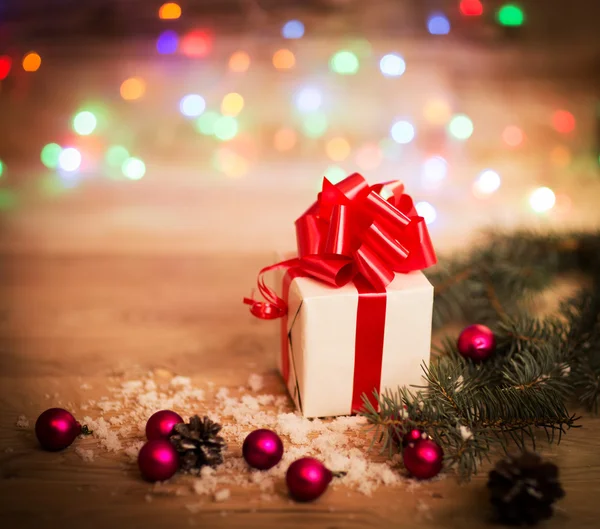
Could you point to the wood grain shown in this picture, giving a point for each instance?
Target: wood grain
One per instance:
(66, 320)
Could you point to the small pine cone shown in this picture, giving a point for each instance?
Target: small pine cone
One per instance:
(523, 489)
(198, 443)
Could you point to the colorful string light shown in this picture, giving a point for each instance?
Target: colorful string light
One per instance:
(403, 132)
(133, 168)
(511, 15)
(293, 29)
(239, 62)
(133, 88)
(69, 159)
(308, 99)
(197, 43)
(167, 42)
(32, 62)
(438, 24)
(563, 121)
(50, 155)
(460, 127)
(427, 211)
(542, 199)
(392, 65)
(84, 123)
(487, 183)
(5, 66)
(232, 104)
(344, 62)
(471, 8)
(284, 59)
(169, 11)
(225, 128)
(192, 105)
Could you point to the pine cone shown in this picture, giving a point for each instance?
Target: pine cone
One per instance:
(197, 443)
(523, 488)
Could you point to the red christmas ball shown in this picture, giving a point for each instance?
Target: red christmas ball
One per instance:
(160, 424)
(158, 460)
(307, 479)
(423, 458)
(56, 429)
(262, 449)
(476, 342)
(412, 436)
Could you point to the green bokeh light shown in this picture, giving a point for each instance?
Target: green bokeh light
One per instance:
(1, 168)
(344, 62)
(84, 123)
(225, 128)
(50, 154)
(315, 125)
(511, 15)
(133, 168)
(116, 155)
(460, 127)
(335, 174)
(205, 124)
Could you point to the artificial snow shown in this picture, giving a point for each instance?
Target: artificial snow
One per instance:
(118, 423)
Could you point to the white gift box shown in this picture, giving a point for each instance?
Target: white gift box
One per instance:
(321, 331)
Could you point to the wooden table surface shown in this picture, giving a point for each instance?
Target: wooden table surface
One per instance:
(127, 277)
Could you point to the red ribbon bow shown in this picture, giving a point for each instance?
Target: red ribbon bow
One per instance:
(350, 230)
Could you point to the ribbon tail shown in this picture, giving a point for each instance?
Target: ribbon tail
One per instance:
(273, 306)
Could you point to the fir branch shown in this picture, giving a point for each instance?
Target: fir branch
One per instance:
(540, 364)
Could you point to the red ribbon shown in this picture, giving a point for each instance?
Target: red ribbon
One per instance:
(351, 233)
(352, 230)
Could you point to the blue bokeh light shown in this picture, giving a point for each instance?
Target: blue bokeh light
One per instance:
(167, 42)
(438, 24)
(293, 29)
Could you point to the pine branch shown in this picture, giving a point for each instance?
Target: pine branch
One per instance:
(540, 364)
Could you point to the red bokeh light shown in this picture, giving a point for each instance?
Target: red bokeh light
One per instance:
(471, 8)
(5, 64)
(563, 121)
(197, 43)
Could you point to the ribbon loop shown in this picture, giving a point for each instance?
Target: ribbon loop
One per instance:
(351, 231)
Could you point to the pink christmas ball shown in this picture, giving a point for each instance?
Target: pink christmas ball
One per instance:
(307, 479)
(423, 458)
(56, 429)
(476, 342)
(160, 424)
(158, 460)
(413, 435)
(262, 449)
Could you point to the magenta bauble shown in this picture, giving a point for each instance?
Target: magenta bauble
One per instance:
(413, 435)
(160, 424)
(423, 458)
(307, 479)
(476, 342)
(262, 449)
(158, 460)
(56, 429)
